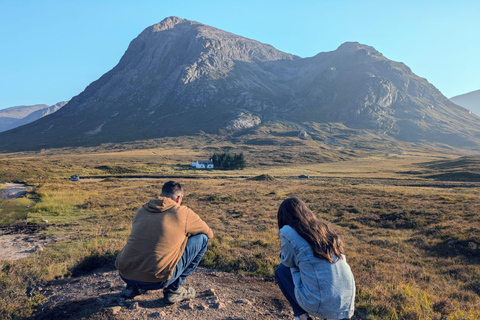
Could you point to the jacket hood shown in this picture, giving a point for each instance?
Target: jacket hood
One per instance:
(159, 204)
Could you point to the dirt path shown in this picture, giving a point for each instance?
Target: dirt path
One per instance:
(22, 239)
(13, 191)
(220, 295)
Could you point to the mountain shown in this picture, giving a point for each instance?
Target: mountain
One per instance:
(18, 116)
(11, 115)
(470, 101)
(181, 77)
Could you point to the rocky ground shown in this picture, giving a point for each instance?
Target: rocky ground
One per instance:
(220, 295)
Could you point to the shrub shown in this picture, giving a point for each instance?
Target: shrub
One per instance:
(228, 161)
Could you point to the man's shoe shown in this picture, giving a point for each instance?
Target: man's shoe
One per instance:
(174, 296)
(131, 292)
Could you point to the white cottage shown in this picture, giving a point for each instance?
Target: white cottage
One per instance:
(203, 164)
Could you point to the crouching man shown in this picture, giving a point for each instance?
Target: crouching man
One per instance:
(165, 246)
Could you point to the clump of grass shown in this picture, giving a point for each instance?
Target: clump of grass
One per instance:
(219, 198)
(237, 260)
(115, 169)
(12, 210)
(14, 303)
(263, 177)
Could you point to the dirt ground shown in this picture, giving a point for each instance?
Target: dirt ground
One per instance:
(22, 239)
(220, 295)
(14, 190)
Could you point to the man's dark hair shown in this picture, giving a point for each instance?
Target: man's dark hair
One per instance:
(172, 189)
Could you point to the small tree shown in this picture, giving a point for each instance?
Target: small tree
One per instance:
(228, 161)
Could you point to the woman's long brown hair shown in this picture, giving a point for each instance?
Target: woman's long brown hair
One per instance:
(325, 242)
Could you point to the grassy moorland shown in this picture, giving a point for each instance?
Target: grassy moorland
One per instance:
(411, 222)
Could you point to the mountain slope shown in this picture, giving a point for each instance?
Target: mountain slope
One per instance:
(179, 77)
(470, 101)
(18, 116)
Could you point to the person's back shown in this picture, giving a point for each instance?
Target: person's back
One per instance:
(165, 245)
(157, 240)
(314, 275)
(323, 289)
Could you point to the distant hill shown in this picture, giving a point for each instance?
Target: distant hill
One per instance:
(470, 101)
(181, 77)
(18, 116)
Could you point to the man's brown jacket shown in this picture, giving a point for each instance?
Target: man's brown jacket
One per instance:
(159, 235)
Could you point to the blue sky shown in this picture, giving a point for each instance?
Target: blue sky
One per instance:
(52, 49)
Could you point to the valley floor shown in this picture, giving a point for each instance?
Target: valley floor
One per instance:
(410, 223)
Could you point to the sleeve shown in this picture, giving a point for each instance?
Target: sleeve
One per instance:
(287, 253)
(195, 225)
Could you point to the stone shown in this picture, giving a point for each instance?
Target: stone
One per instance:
(212, 300)
(244, 301)
(217, 305)
(154, 315)
(210, 292)
(303, 135)
(202, 306)
(115, 310)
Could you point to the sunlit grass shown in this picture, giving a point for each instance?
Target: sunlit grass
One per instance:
(414, 250)
(12, 210)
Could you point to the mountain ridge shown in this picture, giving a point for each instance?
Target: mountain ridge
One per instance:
(179, 77)
(17, 116)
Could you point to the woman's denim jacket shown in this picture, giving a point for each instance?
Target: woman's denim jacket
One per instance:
(323, 289)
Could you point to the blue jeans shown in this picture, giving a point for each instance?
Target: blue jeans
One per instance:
(191, 257)
(284, 279)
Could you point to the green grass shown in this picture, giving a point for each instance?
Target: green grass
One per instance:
(12, 210)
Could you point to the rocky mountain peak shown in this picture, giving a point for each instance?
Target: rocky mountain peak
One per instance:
(358, 49)
(169, 23)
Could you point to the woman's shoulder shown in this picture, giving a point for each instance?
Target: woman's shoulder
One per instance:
(287, 232)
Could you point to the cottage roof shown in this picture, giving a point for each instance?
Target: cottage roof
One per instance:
(205, 161)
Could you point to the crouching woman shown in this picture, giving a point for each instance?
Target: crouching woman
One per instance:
(314, 275)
